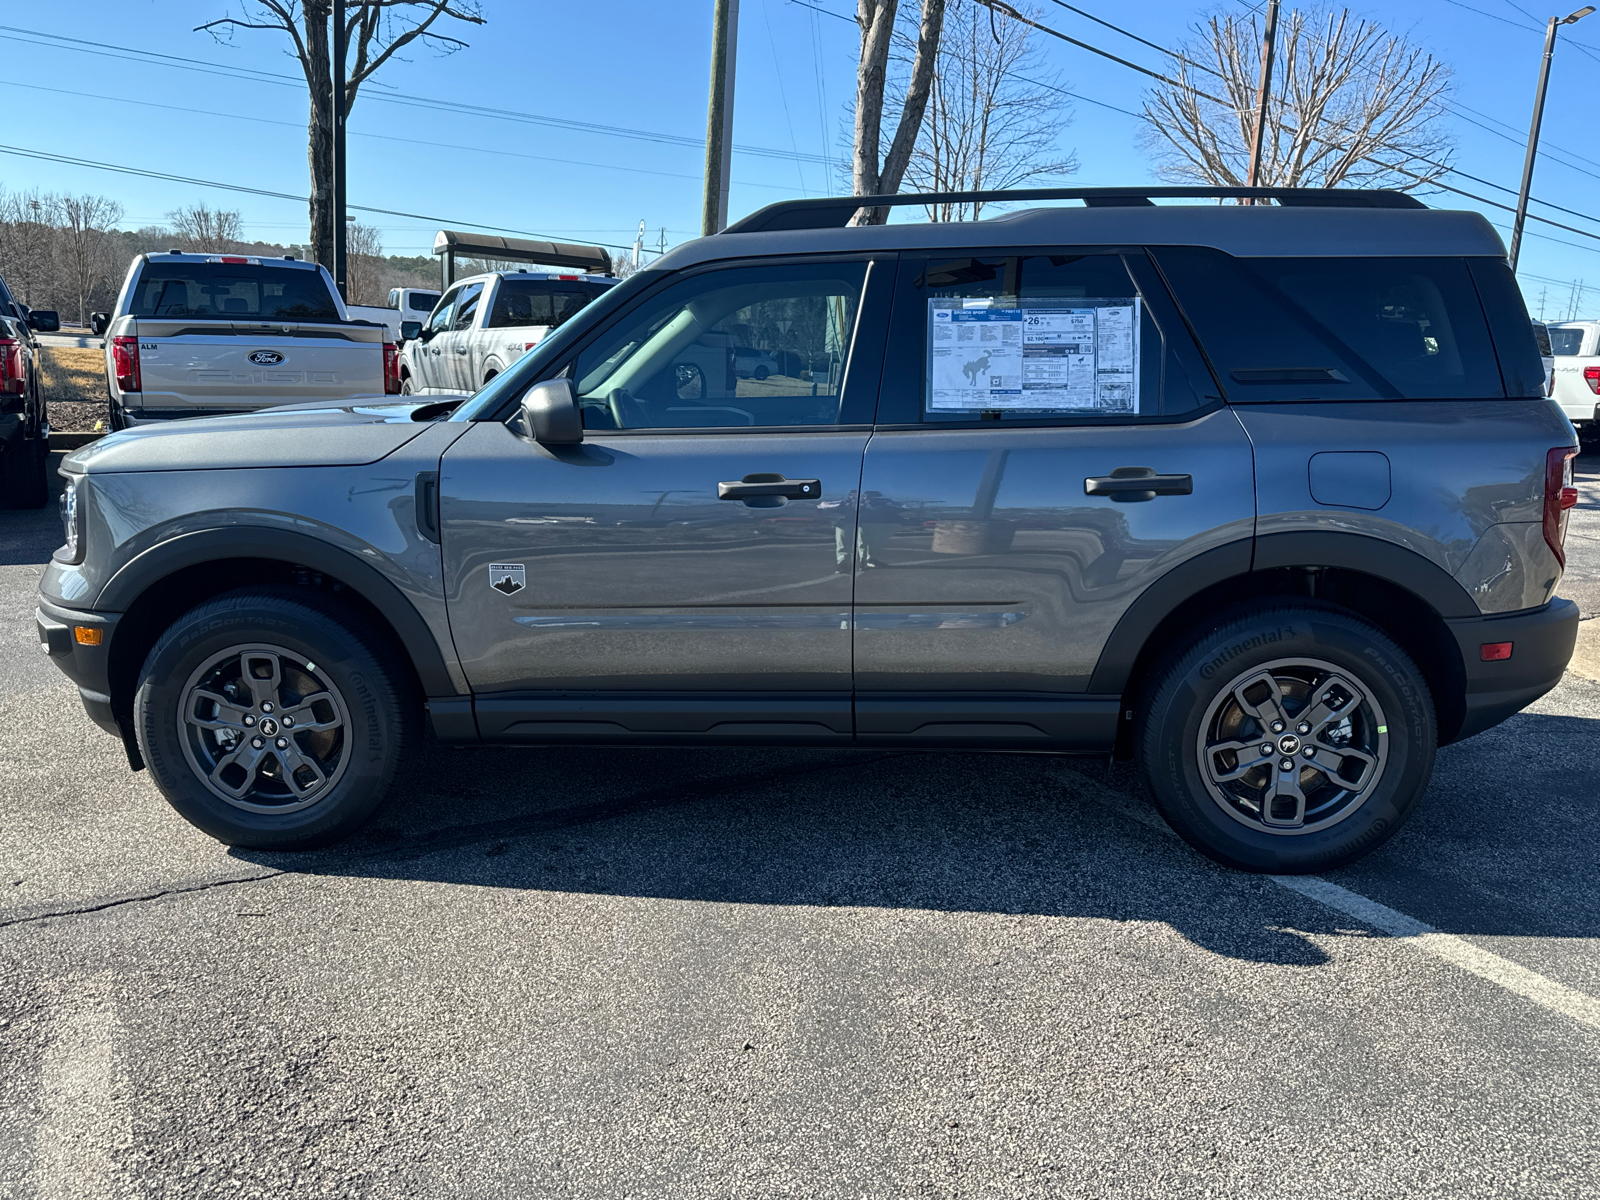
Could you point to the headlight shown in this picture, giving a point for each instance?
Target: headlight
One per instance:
(73, 547)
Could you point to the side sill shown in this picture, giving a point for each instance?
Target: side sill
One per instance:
(1075, 724)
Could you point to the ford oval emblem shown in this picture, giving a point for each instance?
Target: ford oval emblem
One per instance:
(266, 358)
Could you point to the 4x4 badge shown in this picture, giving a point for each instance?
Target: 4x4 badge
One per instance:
(508, 577)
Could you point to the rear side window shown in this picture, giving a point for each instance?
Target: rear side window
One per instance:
(423, 302)
(1541, 338)
(1565, 343)
(1036, 335)
(230, 291)
(1337, 328)
(539, 301)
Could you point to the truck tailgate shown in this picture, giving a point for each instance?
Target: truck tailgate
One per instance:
(189, 364)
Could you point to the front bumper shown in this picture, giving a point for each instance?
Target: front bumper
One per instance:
(1542, 641)
(87, 666)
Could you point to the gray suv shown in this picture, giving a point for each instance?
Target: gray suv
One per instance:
(1265, 497)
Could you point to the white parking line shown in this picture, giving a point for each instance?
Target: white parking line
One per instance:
(1457, 951)
(1447, 947)
(84, 1122)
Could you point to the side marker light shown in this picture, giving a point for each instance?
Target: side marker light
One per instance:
(1495, 651)
(88, 635)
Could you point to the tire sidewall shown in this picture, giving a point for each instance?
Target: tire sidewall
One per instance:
(1252, 639)
(372, 739)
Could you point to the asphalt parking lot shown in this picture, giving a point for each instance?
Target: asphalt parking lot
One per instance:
(812, 974)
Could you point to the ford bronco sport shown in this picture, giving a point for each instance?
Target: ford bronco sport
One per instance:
(1266, 497)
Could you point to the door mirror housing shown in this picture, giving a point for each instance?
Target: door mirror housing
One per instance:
(98, 322)
(550, 414)
(410, 330)
(44, 320)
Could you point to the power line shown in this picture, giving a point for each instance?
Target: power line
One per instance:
(69, 160)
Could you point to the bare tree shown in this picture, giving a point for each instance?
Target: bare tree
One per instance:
(364, 265)
(201, 228)
(994, 116)
(84, 246)
(1351, 104)
(376, 30)
(871, 176)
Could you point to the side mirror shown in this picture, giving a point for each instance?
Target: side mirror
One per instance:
(98, 323)
(550, 413)
(44, 320)
(410, 330)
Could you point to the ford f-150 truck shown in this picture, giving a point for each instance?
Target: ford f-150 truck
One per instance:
(207, 334)
(484, 323)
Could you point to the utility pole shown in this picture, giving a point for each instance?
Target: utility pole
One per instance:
(340, 231)
(1533, 131)
(719, 116)
(1263, 92)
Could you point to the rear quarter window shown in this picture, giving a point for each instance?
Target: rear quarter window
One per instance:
(1339, 328)
(225, 291)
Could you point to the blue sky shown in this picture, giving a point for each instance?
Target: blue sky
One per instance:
(640, 66)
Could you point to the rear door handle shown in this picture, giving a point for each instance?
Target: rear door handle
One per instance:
(767, 490)
(1128, 484)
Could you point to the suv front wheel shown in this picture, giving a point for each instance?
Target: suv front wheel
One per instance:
(268, 722)
(1289, 737)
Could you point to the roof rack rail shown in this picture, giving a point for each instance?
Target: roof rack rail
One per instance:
(834, 212)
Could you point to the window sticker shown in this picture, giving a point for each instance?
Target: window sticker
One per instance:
(1077, 355)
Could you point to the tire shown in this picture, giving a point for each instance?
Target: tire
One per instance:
(762, 372)
(344, 692)
(116, 420)
(1362, 749)
(25, 473)
(405, 386)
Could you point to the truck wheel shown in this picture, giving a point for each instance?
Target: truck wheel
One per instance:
(405, 386)
(116, 421)
(1287, 738)
(268, 721)
(25, 473)
(762, 372)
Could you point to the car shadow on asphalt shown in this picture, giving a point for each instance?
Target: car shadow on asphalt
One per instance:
(999, 834)
(31, 535)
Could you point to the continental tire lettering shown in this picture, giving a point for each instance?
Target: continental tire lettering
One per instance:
(1224, 657)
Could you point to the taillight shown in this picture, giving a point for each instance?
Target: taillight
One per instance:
(11, 380)
(1591, 376)
(1559, 497)
(391, 369)
(125, 363)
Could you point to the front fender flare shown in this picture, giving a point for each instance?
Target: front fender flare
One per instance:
(150, 566)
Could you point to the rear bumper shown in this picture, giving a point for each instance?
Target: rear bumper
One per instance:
(1542, 641)
(86, 666)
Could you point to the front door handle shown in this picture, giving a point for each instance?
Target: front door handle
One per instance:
(1128, 484)
(767, 490)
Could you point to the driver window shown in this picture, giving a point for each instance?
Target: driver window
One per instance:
(467, 306)
(440, 320)
(741, 346)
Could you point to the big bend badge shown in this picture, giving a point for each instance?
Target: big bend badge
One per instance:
(509, 578)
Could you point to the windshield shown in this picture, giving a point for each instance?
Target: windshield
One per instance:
(229, 290)
(555, 346)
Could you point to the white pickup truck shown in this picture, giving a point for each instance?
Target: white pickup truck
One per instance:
(204, 334)
(1575, 347)
(484, 323)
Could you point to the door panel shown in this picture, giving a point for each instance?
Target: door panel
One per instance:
(636, 576)
(985, 566)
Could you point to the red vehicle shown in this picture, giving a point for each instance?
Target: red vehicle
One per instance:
(24, 425)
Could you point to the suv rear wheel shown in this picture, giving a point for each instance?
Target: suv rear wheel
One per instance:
(1287, 738)
(268, 722)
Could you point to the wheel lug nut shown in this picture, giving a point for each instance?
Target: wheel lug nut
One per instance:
(1277, 727)
(1286, 765)
(1310, 751)
(1267, 749)
(282, 743)
(249, 720)
(257, 743)
(288, 722)
(1304, 728)
(267, 707)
